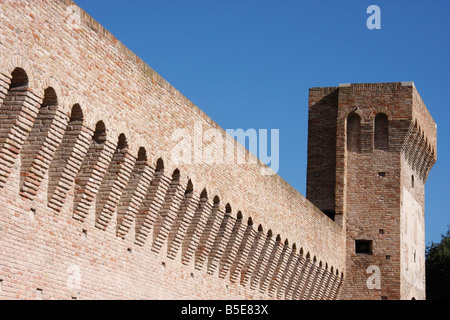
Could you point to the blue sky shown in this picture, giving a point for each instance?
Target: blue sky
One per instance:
(249, 64)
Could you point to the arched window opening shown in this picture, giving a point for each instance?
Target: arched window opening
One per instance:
(159, 165)
(76, 114)
(50, 98)
(100, 132)
(189, 188)
(19, 79)
(204, 195)
(176, 175)
(122, 143)
(381, 134)
(354, 132)
(142, 155)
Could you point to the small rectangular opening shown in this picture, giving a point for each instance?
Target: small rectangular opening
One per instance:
(382, 174)
(363, 246)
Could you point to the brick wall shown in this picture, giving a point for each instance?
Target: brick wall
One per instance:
(322, 126)
(384, 138)
(92, 205)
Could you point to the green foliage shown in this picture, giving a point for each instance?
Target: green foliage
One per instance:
(438, 269)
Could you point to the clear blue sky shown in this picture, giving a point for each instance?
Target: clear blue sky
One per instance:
(249, 64)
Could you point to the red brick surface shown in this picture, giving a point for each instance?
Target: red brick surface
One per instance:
(92, 205)
(371, 163)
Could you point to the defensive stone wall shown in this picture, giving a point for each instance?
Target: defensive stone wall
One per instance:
(92, 205)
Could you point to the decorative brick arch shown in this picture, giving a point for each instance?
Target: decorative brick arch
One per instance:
(67, 102)
(17, 61)
(50, 82)
(121, 128)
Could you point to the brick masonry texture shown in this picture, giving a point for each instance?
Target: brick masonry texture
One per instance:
(378, 162)
(93, 207)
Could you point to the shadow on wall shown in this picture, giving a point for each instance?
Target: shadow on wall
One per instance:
(198, 229)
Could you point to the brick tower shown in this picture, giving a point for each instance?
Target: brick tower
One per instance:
(370, 150)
